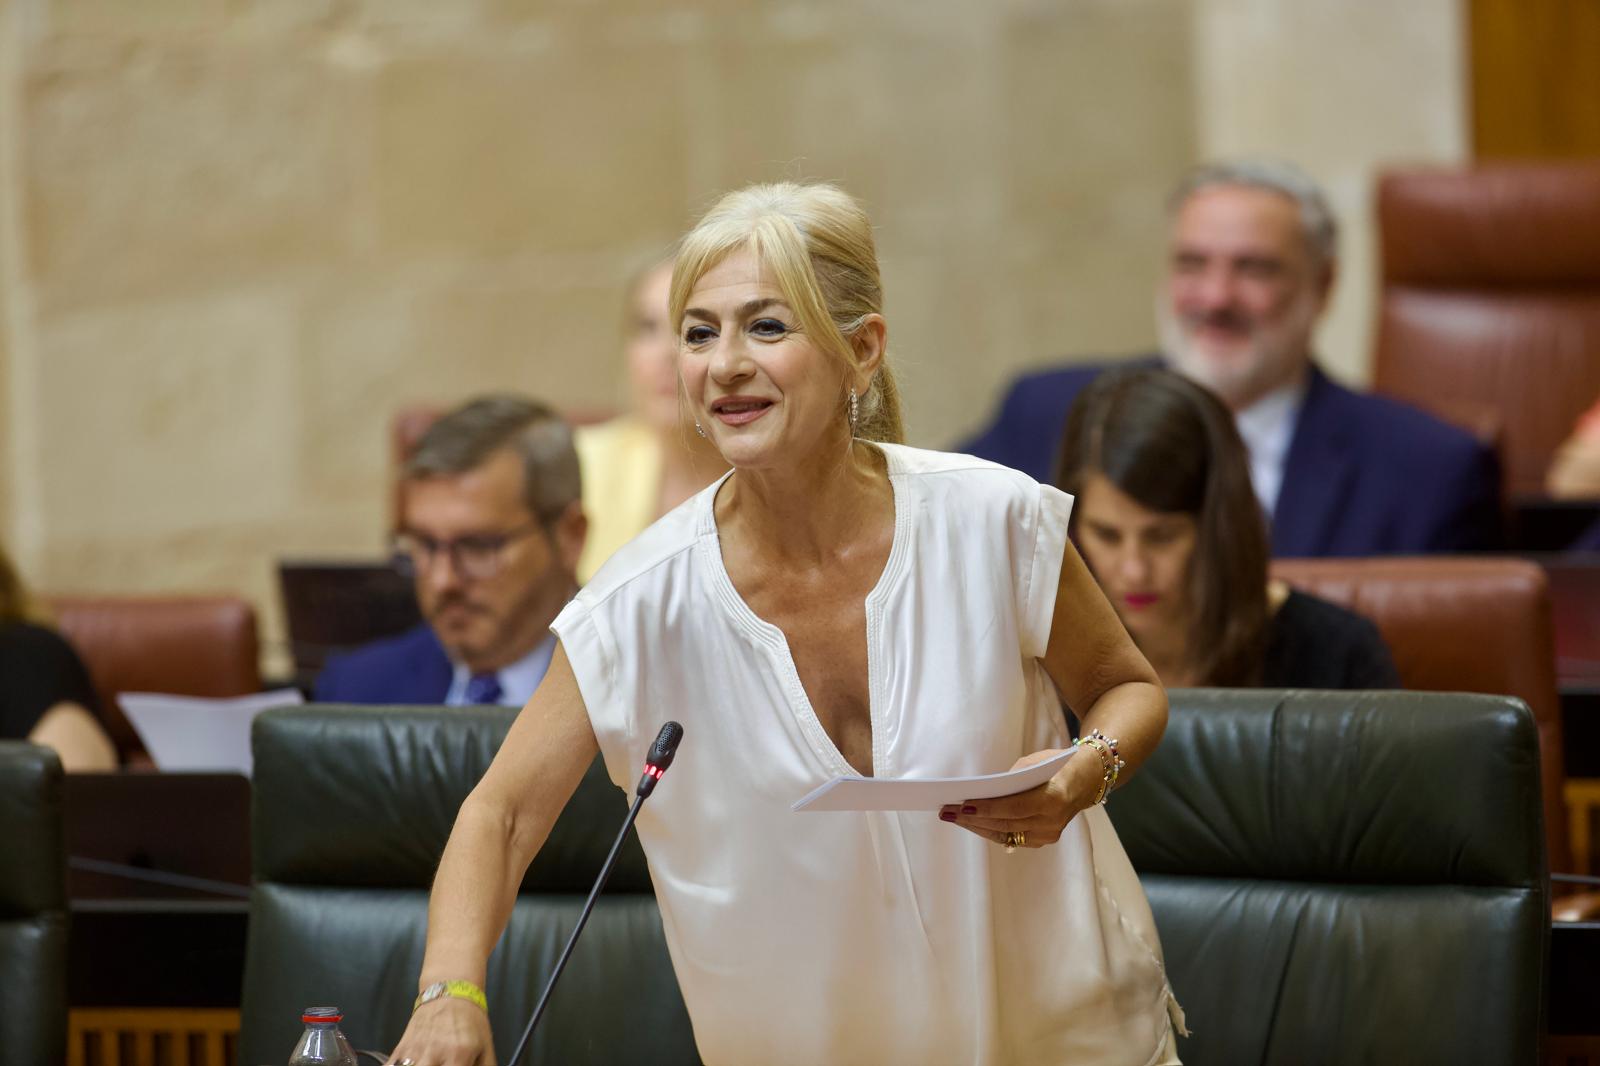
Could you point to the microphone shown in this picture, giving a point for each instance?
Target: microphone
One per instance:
(660, 757)
(655, 765)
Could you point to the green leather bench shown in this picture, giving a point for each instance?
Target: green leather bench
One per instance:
(1347, 877)
(1338, 878)
(33, 907)
(352, 809)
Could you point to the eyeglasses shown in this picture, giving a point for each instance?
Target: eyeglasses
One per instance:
(477, 556)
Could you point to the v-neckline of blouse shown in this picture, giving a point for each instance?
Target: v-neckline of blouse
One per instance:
(777, 644)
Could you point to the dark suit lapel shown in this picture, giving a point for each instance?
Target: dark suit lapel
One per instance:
(1316, 474)
(434, 672)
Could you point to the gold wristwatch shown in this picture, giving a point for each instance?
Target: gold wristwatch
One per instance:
(455, 989)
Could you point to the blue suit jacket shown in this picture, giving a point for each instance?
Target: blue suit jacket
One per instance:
(409, 668)
(1365, 475)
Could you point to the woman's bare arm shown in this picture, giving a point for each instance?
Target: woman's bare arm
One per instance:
(76, 737)
(501, 826)
(1101, 675)
(1107, 682)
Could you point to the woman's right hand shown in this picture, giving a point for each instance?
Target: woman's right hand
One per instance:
(446, 1032)
(499, 828)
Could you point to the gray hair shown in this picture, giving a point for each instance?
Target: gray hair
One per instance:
(466, 437)
(1317, 224)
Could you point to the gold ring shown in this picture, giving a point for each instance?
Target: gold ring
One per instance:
(1015, 841)
(406, 1062)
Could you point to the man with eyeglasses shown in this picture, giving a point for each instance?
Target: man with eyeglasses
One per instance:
(492, 527)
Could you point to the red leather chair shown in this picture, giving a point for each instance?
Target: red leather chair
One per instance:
(1490, 301)
(1460, 624)
(189, 646)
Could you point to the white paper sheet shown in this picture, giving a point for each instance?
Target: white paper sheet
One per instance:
(925, 793)
(191, 733)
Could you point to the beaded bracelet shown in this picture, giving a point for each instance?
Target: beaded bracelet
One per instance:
(1110, 763)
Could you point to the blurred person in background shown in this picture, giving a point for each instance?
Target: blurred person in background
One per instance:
(1575, 472)
(492, 527)
(46, 696)
(1251, 262)
(641, 465)
(1168, 521)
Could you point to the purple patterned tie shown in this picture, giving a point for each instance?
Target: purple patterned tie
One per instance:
(484, 689)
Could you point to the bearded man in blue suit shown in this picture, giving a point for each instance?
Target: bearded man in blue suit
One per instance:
(1251, 265)
(492, 528)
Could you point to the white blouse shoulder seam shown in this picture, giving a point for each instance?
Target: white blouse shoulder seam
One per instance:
(598, 599)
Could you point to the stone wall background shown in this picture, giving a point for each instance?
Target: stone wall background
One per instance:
(237, 235)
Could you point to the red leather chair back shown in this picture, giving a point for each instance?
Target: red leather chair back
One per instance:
(189, 646)
(1460, 624)
(1491, 300)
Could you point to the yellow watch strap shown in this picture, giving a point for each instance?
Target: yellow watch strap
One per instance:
(455, 989)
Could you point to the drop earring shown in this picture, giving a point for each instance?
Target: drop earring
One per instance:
(698, 428)
(855, 411)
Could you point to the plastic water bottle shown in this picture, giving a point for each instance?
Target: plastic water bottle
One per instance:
(322, 1044)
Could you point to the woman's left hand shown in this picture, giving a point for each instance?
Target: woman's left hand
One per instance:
(1036, 816)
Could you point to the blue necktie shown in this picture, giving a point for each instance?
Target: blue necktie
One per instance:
(484, 689)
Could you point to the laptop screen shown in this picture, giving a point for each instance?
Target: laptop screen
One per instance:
(330, 607)
(136, 835)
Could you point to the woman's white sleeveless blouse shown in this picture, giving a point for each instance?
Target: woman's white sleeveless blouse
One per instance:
(870, 937)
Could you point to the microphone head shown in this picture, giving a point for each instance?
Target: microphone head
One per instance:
(666, 746)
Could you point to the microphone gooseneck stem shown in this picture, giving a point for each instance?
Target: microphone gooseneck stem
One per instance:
(583, 916)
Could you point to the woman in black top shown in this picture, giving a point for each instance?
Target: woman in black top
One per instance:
(1168, 521)
(45, 693)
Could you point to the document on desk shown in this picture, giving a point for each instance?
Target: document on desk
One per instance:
(192, 733)
(925, 793)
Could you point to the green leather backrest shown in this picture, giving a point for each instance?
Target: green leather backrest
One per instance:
(1338, 878)
(33, 907)
(1346, 877)
(352, 809)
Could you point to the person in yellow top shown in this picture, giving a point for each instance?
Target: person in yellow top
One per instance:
(640, 465)
(1575, 471)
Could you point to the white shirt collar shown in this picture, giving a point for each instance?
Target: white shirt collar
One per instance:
(517, 680)
(1267, 427)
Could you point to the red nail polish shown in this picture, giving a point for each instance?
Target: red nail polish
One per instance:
(947, 816)
(969, 810)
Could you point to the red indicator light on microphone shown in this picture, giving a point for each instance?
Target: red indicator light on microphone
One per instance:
(659, 758)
